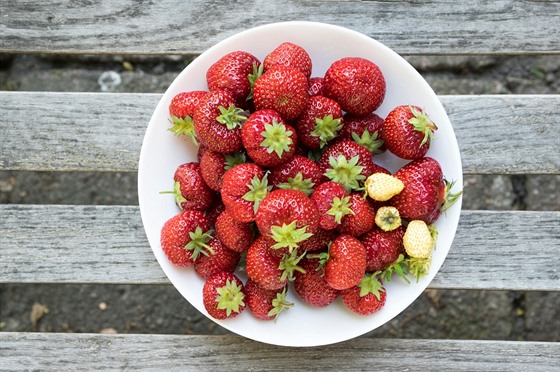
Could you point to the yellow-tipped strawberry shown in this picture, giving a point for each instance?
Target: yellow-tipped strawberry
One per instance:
(382, 187)
(387, 218)
(418, 239)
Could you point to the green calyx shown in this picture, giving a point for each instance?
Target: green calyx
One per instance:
(183, 126)
(399, 267)
(199, 243)
(179, 198)
(346, 172)
(388, 218)
(422, 123)
(450, 198)
(326, 128)
(419, 267)
(279, 304)
(258, 69)
(288, 236)
(257, 191)
(340, 207)
(234, 159)
(230, 297)
(289, 265)
(299, 183)
(232, 117)
(370, 284)
(277, 138)
(369, 141)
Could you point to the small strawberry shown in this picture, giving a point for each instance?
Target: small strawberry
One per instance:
(418, 239)
(319, 123)
(266, 304)
(190, 190)
(366, 298)
(298, 173)
(243, 188)
(185, 236)
(311, 285)
(345, 262)
(357, 84)
(315, 86)
(365, 130)
(283, 89)
(181, 110)
(382, 187)
(333, 203)
(362, 218)
(387, 218)
(223, 295)
(213, 166)
(269, 141)
(220, 259)
(382, 248)
(408, 132)
(291, 55)
(235, 235)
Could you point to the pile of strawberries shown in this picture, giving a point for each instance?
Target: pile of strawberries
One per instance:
(286, 187)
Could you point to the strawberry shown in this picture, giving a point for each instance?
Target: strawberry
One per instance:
(361, 219)
(185, 236)
(382, 186)
(235, 235)
(190, 190)
(214, 211)
(382, 248)
(269, 141)
(266, 304)
(285, 218)
(298, 173)
(289, 54)
(357, 84)
(345, 262)
(365, 130)
(223, 295)
(319, 123)
(220, 259)
(181, 110)
(283, 89)
(319, 240)
(217, 122)
(232, 73)
(366, 298)
(333, 203)
(408, 132)
(347, 163)
(387, 218)
(311, 285)
(315, 86)
(419, 239)
(213, 166)
(243, 188)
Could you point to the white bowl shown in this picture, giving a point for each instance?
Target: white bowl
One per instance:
(162, 152)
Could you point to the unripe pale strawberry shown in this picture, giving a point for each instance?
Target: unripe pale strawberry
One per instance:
(387, 218)
(382, 187)
(418, 240)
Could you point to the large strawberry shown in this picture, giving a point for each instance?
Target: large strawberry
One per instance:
(366, 298)
(266, 304)
(382, 248)
(408, 132)
(289, 54)
(357, 84)
(185, 236)
(181, 110)
(311, 285)
(345, 262)
(269, 141)
(333, 203)
(223, 295)
(299, 173)
(213, 166)
(283, 89)
(243, 188)
(319, 123)
(235, 235)
(365, 130)
(362, 217)
(217, 122)
(220, 259)
(190, 189)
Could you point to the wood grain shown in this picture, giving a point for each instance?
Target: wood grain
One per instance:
(97, 131)
(106, 244)
(62, 352)
(190, 27)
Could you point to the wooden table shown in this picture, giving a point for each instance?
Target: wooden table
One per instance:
(42, 131)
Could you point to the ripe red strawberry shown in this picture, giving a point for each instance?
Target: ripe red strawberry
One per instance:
(283, 89)
(219, 259)
(185, 236)
(382, 248)
(365, 130)
(285, 218)
(269, 141)
(223, 295)
(243, 188)
(235, 235)
(357, 84)
(289, 54)
(345, 262)
(315, 86)
(311, 286)
(298, 173)
(319, 123)
(366, 298)
(213, 166)
(347, 163)
(214, 211)
(318, 241)
(232, 73)
(266, 304)
(333, 203)
(362, 218)
(408, 132)
(181, 110)
(217, 122)
(190, 190)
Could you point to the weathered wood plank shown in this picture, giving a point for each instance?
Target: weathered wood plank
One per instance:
(61, 352)
(96, 131)
(190, 27)
(106, 244)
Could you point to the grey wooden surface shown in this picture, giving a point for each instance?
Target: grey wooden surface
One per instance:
(497, 134)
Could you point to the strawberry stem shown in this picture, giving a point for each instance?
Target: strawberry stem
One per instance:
(183, 126)
(179, 198)
(198, 243)
(422, 123)
(279, 304)
(450, 198)
(289, 264)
